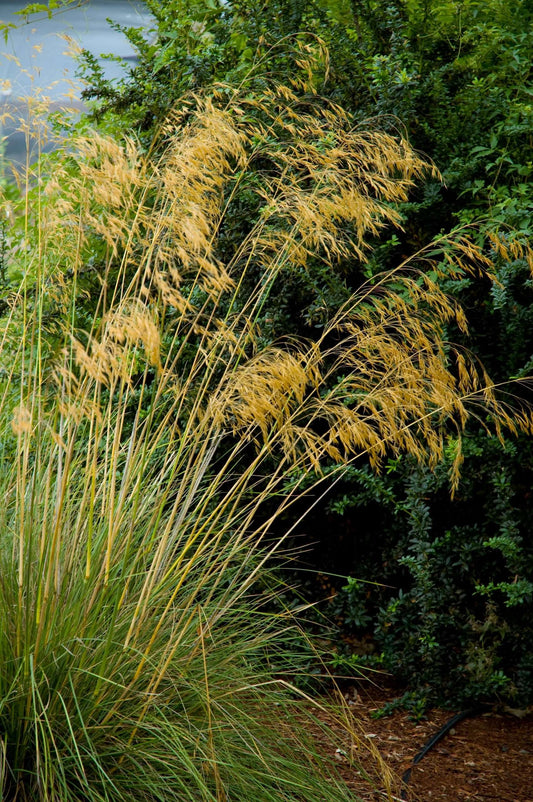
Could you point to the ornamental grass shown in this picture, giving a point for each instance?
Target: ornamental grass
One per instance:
(151, 443)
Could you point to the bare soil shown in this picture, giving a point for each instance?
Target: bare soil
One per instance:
(483, 758)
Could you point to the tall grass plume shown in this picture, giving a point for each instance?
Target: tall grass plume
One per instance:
(148, 434)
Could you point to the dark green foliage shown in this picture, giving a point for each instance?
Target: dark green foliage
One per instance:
(194, 45)
(452, 617)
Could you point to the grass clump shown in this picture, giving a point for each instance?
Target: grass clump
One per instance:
(148, 437)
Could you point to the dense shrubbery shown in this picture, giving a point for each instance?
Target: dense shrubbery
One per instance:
(457, 628)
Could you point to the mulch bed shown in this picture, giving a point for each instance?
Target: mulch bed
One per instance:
(483, 758)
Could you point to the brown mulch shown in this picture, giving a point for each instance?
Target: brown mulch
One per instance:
(484, 758)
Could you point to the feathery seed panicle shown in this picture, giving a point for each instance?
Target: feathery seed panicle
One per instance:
(197, 166)
(328, 187)
(74, 402)
(329, 176)
(135, 323)
(109, 357)
(21, 421)
(387, 385)
(264, 391)
(101, 196)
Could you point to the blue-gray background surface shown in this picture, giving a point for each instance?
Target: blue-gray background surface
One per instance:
(41, 45)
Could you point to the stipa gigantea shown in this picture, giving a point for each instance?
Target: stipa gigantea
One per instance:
(145, 458)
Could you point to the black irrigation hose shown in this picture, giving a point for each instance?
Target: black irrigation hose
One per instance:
(431, 743)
